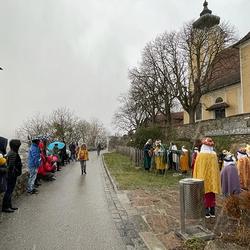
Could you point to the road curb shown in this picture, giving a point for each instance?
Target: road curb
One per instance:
(109, 175)
(123, 222)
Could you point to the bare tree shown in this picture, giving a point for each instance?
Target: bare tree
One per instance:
(154, 62)
(32, 127)
(62, 124)
(144, 92)
(96, 133)
(81, 131)
(194, 61)
(129, 115)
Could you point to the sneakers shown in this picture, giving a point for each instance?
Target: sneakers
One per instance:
(207, 216)
(14, 208)
(212, 212)
(7, 210)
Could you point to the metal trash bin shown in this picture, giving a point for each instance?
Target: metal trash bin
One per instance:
(192, 195)
(192, 209)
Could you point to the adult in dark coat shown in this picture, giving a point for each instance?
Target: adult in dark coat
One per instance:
(63, 153)
(14, 164)
(148, 152)
(99, 148)
(72, 148)
(3, 145)
(3, 166)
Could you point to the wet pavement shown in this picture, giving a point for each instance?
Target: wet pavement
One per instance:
(73, 212)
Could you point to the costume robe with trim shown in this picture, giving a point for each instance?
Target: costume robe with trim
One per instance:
(206, 168)
(243, 166)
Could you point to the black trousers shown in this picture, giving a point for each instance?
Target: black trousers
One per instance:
(11, 183)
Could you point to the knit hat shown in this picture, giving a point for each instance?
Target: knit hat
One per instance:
(15, 145)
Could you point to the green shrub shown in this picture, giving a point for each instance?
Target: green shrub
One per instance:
(222, 142)
(194, 244)
(143, 134)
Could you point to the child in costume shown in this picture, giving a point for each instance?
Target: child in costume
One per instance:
(248, 150)
(206, 168)
(230, 181)
(194, 156)
(160, 163)
(184, 160)
(243, 166)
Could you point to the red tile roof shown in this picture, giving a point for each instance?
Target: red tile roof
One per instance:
(244, 39)
(226, 71)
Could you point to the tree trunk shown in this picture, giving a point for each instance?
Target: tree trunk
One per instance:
(191, 113)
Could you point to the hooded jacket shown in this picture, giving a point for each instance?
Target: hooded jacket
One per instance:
(3, 145)
(14, 162)
(34, 158)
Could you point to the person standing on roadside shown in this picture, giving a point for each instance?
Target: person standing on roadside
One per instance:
(77, 148)
(3, 165)
(83, 157)
(206, 168)
(72, 148)
(34, 160)
(148, 152)
(99, 148)
(14, 164)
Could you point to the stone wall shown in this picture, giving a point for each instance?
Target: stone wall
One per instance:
(237, 127)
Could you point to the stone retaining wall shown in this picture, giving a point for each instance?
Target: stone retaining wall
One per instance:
(238, 127)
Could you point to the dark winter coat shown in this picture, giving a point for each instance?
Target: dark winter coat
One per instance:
(14, 162)
(3, 145)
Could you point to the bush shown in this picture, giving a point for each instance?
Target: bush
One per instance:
(143, 134)
(194, 244)
(238, 207)
(222, 142)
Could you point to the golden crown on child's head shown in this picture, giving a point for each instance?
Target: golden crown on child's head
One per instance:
(207, 141)
(242, 150)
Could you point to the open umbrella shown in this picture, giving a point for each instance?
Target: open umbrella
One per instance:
(59, 144)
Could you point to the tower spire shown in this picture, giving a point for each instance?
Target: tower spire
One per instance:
(206, 19)
(205, 9)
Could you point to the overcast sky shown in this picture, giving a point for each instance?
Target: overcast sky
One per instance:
(76, 53)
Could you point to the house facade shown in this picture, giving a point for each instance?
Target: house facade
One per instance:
(229, 94)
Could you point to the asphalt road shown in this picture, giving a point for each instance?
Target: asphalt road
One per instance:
(69, 213)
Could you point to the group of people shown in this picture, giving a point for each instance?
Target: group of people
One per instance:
(158, 157)
(225, 174)
(43, 162)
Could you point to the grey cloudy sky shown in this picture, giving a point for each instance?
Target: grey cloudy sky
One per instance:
(76, 53)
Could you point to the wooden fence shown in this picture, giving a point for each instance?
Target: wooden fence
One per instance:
(135, 154)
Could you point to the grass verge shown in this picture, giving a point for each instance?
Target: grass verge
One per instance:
(128, 177)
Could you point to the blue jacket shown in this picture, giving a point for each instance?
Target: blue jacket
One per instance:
(34, 158)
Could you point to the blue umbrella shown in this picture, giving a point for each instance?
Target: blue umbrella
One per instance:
(59, 144)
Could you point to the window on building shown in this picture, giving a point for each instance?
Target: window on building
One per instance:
(218, 99)
(220, 113)
(198, 112)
